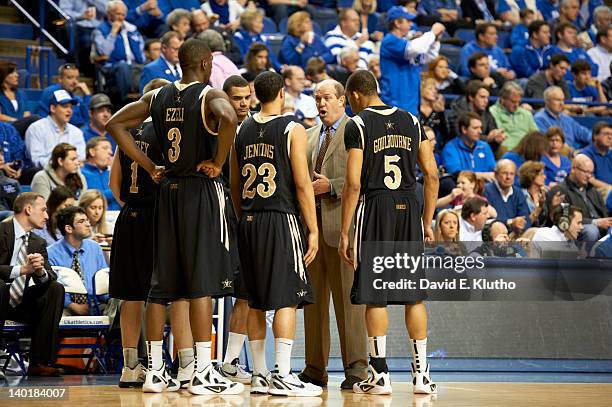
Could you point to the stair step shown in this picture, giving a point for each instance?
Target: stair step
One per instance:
(10, 14)
(17, 31)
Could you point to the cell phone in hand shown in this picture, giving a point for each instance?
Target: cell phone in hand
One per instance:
(16, 165)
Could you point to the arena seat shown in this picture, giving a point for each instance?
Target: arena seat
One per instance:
(269, 26)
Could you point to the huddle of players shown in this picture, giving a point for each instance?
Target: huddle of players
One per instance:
(195, 233)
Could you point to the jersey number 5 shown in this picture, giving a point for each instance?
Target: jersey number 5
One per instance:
(392, 182)
(268, 172)
(174, 135)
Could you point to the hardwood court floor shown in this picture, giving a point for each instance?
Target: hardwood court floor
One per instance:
(450, 394)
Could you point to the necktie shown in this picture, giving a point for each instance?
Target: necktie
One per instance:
(18, 285)
(177, 74)
(76, 266)
(323, 150)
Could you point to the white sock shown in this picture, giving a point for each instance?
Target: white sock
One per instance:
(234, 346)
(378, 346)
(185, 357)
(419, 353)
(258, 352)
(203, 355)
(130, 357)
(282, 347)
(155, 351)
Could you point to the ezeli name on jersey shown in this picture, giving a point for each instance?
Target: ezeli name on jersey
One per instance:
(392, 141)
(174, 114)
(259, 150)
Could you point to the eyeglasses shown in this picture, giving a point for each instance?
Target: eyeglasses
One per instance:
(585, 171)
(82, 221)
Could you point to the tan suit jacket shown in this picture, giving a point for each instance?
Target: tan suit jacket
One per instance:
(334, 168)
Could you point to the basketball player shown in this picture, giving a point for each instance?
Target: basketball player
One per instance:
(239, 93)
(381, 175)
(130, 275)
(271, 182)
(195, 125)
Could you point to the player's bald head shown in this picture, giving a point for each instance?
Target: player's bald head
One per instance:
(193, 52)
(362, 82)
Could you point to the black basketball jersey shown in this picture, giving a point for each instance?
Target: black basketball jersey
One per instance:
(184, 138)
(266, 178)
(137, 187)
(390, 139)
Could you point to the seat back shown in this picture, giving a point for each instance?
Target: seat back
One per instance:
(72, 282)
(100, 281)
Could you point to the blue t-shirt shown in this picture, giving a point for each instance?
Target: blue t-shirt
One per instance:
(554, 173)
(588, 94)
(401, 78)
(497, 57)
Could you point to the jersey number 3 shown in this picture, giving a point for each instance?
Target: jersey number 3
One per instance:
(174, 135)
(268, 172)
(392, 182)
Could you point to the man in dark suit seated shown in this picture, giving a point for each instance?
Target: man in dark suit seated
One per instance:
(166, 66)
(29, 291)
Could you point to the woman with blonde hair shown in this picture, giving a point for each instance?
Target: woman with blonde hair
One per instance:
(249, 33)
(94, 204)
(447, 226)
(431, 110)
(368, 18)
(301, 43)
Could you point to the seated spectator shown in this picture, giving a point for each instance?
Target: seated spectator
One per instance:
(551, 76)
(16, 163)
(200, 22)
(447, 226)
(400, 59)
(374, 66)
(486, 42)
(468, 186)
(431, 110)
(95, 206)
(148, 17)
(316, 70)
(532, 181)
(12, 99)
(583, 88)
(294, 86)
(257, 59)
(110, 40)
(509, 11)
(179, 21)
(347, 34)
(548, 8)
(9, 189)
(78, 253)
(528, 58)
(561, 231)
(166, 66)
(467, 152)
(446, 12)
(69, 80)
(474, 214)
(301, 43)
(578, 191)
(60, 198)
(576, 135)
(600, 152)
(228, 12)
(476, 100)
(556, 165)
(479, 69)
(63, 169)
(447, 81)
(519, 36)
(100, 110)
(601, 54)
(532, 147)
(249, 33)
(607, 85)
(568, 13)
(222, 66)
(603, 248)
(480, 11)
(97, 168)
(349, 60)
(368, 18)
(602, 18)
(510, 116)
(152, 50)
(36, 295)
(567, 44)
(43, 135)
(510, 204)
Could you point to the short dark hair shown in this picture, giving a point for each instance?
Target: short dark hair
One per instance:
(600, 126)
(558, 212)
(234, 81)
(580, 66)
(526, 12)
(471, 206)
(602, 33)
(193, 52)
(65, 217)
(475, 57)
(6, 68)
(536, 26)
(482, 28)
(315, 66)
(466, 118)
(363, 82)
(150, 42)
(24, 199)
(562, 27)
(473, 87)
(267, 86)
(558, 58)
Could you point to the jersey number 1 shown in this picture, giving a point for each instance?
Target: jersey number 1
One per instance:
(174, 135)
(134, 185)
(392, 182)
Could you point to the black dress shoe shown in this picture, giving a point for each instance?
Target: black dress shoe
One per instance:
(348, 383)
(45, 371)
(307, 379)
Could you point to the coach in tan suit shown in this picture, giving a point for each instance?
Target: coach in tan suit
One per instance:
(327, 165)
